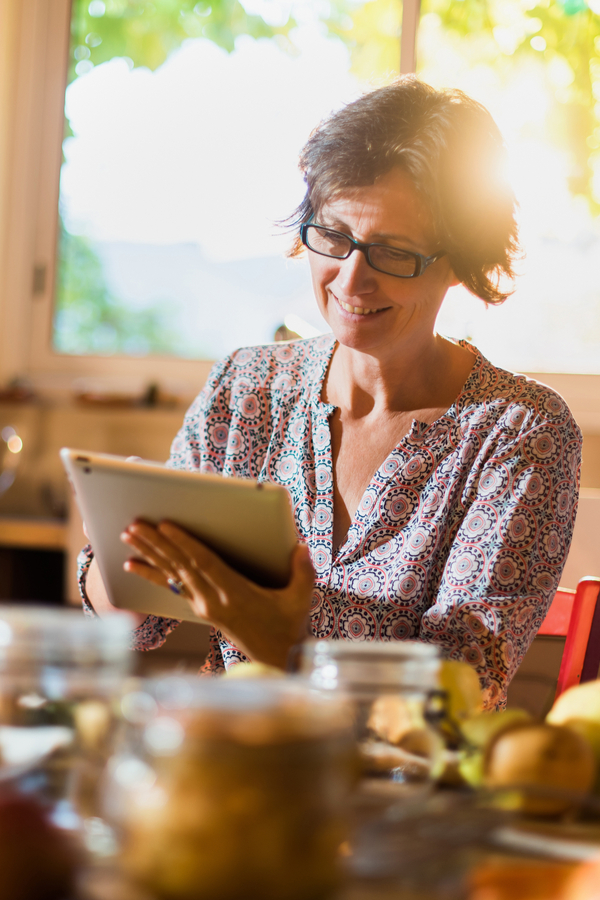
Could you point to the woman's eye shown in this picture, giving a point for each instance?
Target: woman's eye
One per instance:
(331, 242)
(335, 239)
(394, 255)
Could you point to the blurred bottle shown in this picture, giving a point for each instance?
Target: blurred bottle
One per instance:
(59, 676)
(394, 687)
(230, 789)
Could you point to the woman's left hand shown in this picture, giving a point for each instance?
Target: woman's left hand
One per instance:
(265, 623)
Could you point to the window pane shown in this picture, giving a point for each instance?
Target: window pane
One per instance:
(176, 174)
(536, 66)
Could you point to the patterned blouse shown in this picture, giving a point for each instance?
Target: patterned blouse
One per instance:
(460, 537)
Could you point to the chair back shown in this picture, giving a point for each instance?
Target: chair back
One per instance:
(575, 615)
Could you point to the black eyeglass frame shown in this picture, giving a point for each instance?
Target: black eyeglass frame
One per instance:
(421, 262)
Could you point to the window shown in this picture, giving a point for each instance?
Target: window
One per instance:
(462, 43)
(175, 175)
(536, 65)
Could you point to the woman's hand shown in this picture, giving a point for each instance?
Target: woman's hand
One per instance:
(265, 623)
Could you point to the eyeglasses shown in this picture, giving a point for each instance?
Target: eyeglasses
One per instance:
(386, 259)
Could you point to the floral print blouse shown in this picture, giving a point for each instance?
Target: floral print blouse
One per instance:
(460, 537)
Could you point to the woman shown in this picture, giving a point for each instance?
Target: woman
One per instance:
(434, 494)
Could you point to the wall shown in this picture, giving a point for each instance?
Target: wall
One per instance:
(590, 468)
(8, 71)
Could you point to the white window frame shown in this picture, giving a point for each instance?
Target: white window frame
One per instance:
(34, 47)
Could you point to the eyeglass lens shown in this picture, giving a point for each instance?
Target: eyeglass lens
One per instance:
(387, 259)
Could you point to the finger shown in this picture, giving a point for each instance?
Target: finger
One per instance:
(161, 547)
(303, 573)
(202, 558)
(159, 578)
(205, 597)
(149, 573)
(166, 556)
(147, 552)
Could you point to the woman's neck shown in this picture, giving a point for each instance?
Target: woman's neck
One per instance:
(428, 376)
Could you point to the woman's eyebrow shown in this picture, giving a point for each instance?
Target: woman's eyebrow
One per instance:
(338, 224)
(400, 238)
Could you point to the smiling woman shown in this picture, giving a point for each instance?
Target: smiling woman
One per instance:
(412, 462)
(350, 287)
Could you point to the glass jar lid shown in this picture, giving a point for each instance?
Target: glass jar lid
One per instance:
(409, 666)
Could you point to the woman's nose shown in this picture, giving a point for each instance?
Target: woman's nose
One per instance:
(355, 275)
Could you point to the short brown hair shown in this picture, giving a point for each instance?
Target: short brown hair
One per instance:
(452, 150)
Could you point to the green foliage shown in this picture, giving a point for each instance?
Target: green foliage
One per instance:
(496, 32)
(499, 33)
(372, 31)
(147, 32)
(89, 319)
(563, 36)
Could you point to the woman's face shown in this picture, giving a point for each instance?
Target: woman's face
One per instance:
(367, 310)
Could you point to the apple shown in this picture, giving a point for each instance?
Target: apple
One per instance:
(579, 708)
(478, 733)
(538, 756)
(37, 860)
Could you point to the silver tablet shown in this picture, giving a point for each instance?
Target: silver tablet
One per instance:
(248, 523)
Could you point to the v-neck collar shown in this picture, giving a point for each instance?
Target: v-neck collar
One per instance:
(417, 432)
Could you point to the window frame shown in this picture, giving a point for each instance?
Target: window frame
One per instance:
(34, 50)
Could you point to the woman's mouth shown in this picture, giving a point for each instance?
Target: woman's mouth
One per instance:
(358, 310)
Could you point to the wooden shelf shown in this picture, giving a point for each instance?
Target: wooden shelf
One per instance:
(36, 534)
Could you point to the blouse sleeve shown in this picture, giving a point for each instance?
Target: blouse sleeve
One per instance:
(509, 550)
(153, 632)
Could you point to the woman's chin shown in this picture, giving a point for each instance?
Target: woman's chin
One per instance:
(359, 340)
(367, 333)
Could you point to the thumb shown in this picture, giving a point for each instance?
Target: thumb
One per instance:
(303, 573)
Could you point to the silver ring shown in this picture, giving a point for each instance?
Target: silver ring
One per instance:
(177, 587)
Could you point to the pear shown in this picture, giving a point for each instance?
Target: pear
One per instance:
(579, 702)
(252, 670)
(463, 690)
(479, 730)
(538, 756)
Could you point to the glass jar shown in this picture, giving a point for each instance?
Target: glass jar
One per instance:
(394, 686)
(230, 789)
(59, 674)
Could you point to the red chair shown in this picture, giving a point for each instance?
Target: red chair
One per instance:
(576, 616)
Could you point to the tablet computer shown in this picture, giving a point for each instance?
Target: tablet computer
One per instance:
(248, 523)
